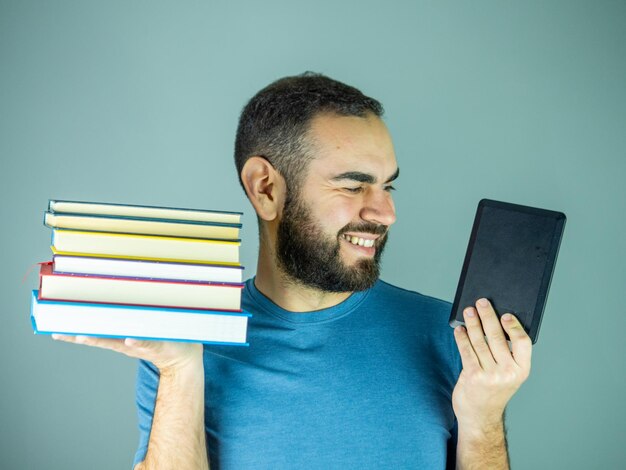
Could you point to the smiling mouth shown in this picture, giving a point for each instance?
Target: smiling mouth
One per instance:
(365, 242)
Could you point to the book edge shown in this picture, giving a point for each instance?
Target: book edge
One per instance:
(140, 219)
(51, 203)
(71, 303)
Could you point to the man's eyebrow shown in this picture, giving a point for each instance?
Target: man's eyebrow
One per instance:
(363, 177)
(355, 176)
(394, 176)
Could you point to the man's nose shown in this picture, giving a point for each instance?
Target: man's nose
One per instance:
(379, 208)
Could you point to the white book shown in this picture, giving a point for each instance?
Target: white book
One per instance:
(124, 321)
(63, 264)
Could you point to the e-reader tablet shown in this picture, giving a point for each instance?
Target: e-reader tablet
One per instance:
(510, 260)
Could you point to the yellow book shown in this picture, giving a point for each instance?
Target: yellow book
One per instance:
(149, 247)
(145, 226)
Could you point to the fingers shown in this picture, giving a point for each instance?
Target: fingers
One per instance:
(119, 345)
(138, 343)
(66, 338)
(493, 331)
(521, 343)
(468, 356)
(477, 338)
(107, 343)
(143, 348)
(482, 321)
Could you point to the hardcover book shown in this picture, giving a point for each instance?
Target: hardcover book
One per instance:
(167, 227)
(136, 291)
(63, 264)
(151, 247)
(132, 210)
(124, 321)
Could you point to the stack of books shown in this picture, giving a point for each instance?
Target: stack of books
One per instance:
(122, 270)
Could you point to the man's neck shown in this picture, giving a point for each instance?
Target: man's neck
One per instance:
(290, 295)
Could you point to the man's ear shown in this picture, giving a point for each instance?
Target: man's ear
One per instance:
(265, 187)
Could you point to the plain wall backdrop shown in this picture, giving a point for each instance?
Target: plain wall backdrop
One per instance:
(137, 102)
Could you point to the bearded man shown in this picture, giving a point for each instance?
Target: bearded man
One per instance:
(343, 370)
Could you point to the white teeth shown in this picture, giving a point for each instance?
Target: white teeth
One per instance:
(359, 241)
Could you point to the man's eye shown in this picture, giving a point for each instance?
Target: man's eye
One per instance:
(358, 189)
(389, 188)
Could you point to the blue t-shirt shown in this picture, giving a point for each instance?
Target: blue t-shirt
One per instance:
(364, 384)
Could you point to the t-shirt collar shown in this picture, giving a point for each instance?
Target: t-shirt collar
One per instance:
(315, 316)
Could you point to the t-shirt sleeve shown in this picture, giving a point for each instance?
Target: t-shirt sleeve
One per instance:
(145, 396)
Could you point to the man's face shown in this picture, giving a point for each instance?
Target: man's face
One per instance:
(332, 233)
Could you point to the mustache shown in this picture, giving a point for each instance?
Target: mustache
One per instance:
(365, 227)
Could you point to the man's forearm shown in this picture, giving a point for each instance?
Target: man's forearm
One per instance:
(482, 448)
(177, 437)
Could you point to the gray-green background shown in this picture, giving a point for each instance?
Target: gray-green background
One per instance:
(137, 101)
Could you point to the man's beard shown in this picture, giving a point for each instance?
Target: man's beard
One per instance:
(311, 258)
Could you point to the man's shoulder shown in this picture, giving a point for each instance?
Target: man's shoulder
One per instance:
(409, 297)
(422, 315)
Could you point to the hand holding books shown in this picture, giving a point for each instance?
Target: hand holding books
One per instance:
(167, 356)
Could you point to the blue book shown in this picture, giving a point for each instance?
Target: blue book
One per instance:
(126, 321)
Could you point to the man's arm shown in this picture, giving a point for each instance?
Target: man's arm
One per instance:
(483, 449)
(177, 436)
(491, 374)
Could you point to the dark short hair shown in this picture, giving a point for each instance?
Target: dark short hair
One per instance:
(275, 122)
